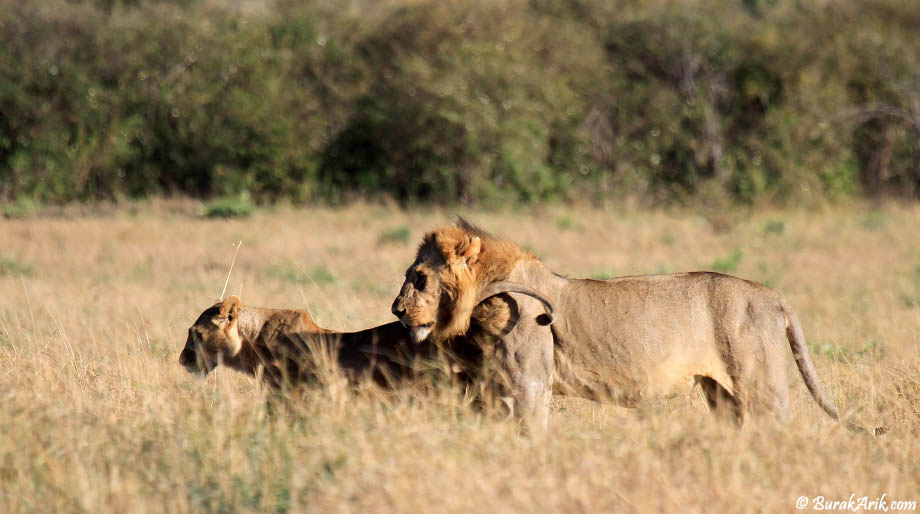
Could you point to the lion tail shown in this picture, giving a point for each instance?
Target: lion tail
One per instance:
(803, 360)
(807, 369)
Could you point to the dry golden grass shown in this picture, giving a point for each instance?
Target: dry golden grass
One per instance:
(96, 415)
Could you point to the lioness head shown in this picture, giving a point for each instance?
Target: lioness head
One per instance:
(453, 272)
(213, 337)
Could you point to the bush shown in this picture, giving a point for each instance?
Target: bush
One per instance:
(459, 102)
(229, 207)
(455, 110)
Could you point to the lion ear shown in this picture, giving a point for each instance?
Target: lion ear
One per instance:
(468, 251)
(462, 251)
(472, 251)
(230, 309)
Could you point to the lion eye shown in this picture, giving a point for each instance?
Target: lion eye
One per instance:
(420, 281)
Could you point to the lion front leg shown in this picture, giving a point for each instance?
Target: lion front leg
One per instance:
(528, 366)
(531, 397)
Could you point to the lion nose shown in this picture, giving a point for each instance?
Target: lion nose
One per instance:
(399, 313)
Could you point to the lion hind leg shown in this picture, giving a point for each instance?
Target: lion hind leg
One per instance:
(721, 403)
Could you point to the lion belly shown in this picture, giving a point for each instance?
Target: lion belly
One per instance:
(677, 375)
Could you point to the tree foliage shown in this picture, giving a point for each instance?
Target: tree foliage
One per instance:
(482, 101)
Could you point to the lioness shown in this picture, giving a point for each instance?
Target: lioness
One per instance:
(625, 339)
(284, 345)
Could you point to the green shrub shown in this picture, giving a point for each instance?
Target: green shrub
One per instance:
(727, 264)
(775, 227)
(229, 207)
(567, 222)
(322, 275)
(466, 102)
(286, 272)
(398, 235)
(292, 272)
(12, 267)
(19, 208)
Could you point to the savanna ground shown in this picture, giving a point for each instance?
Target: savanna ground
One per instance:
(97, 416)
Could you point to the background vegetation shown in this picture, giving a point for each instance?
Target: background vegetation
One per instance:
(480, 101)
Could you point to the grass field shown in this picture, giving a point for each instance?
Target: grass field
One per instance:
(97, 416)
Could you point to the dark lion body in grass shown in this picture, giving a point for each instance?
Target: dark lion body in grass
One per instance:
(285, 347)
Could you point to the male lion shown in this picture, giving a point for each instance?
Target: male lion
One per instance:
(286, 347)
(623, 340)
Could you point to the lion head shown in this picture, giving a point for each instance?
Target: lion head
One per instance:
(455, 269)
(213, 337)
